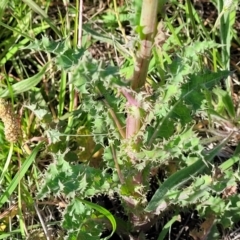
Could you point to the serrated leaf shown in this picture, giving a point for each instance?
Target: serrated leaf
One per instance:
(190, 99)
(63, 177)
(171, 92)
(192, 51)
(106, 39)
(46, 45)
(182, 176)
(40, 113)
(69, 58)
(54, 135)
(166, 129)
(191, 91)
(182, 112)
(78, 221)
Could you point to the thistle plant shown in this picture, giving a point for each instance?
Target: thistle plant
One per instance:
(115, 130)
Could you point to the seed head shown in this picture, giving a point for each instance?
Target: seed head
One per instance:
(12, 128)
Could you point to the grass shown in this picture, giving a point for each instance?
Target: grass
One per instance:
(107, 108)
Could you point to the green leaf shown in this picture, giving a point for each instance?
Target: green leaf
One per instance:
(192, 51)
(191, 91)
(34, 6)
(44, 44)
(228, 102)
(190, 99)
(14, 47)
(69, 58)
(105, 212)
(106, 39)
(167, 226)
(38, 112)
(16, 180)
(82, 221)
(224, 103)
(72, 179)
(182, 176)
(230, 162)
(25, 85)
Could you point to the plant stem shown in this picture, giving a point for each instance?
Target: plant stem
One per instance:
(147, 33)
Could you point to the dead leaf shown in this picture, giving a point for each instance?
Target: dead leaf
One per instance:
(205, 229)
(229, 191)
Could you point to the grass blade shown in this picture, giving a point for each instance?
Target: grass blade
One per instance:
(24, 85)
(7, 163)
(12, 186)
(105, 212)
(39, 11)
(167, 226)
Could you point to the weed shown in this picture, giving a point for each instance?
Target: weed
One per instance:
(111, 123)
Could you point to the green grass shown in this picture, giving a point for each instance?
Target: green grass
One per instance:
(102, 105)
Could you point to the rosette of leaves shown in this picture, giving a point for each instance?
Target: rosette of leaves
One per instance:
(165, 134)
